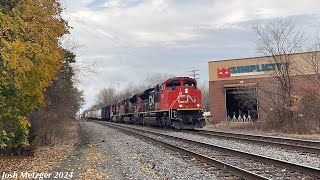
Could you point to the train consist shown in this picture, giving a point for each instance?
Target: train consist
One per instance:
(176, 102)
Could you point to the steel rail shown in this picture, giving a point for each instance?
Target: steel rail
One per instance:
(265, 141)
(288, 143)
(296, 167)
(225, 166)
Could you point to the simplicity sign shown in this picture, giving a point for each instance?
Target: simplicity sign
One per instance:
(249, 70)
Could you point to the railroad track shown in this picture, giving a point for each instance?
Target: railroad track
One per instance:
(309, 146)
(241, 164)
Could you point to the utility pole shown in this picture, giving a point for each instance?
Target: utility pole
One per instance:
(194, 74)
(118, 92)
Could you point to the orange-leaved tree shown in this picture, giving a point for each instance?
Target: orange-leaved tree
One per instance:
(30, 56)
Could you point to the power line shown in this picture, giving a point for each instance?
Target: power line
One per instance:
(129, 50)
(79, 21)
(112, 38)
(194, 74)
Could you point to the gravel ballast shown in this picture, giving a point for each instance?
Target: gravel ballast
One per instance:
(293, 156)
(126, 157)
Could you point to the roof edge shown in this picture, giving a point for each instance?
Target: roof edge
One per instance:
(259, 57)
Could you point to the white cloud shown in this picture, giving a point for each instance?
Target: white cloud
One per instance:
(171, 36)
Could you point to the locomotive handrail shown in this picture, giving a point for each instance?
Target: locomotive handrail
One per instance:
(170, 108)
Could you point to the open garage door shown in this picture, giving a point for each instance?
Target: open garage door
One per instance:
(241, 104)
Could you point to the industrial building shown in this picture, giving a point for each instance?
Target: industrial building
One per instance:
(230, 80)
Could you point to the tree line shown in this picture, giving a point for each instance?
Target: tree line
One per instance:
(110, 94)
(37, 92)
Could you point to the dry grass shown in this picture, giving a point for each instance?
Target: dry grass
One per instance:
(45, 157)
(264, 128)
(93, 158)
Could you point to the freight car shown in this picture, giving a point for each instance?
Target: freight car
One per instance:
(177, 102)
(94, 114)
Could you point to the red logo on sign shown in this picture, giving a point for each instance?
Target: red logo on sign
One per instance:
(223, 72)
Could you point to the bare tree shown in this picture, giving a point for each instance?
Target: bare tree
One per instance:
(81, 69)
(156, 78)
(204, 87)
(312, 59)
(310, 102)
(110, 95)
(149, 82)
(106, 97)
(131, 89)
(279, 40)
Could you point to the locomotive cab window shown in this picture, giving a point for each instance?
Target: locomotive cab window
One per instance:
(173, 84)
(190, 83)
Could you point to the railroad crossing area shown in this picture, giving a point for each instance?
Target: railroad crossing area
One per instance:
(125, 151)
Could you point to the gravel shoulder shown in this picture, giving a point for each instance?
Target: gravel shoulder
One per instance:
(104, 153)
(88, 161)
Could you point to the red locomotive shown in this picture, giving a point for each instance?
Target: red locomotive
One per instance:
(176, 102)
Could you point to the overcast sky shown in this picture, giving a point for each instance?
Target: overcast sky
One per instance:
(131, 39)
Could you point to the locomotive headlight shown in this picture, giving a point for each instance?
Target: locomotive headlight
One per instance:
(186, 90)
(198, 105)
(180, 105)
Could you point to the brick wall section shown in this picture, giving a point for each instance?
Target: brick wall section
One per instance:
(303, 85)
(217, 101)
